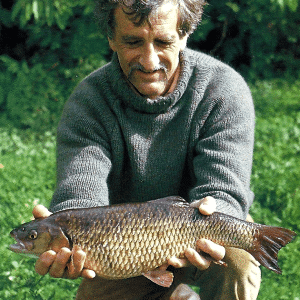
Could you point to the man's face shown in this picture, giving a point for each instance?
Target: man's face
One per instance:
(149, 54)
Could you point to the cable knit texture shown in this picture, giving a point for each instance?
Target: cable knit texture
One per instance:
(116, 146)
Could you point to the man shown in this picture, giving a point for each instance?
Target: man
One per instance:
(158, 120)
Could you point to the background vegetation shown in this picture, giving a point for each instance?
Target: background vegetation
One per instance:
(47, 47)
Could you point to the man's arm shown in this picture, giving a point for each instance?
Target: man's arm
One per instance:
(83, 165)
(222, 159)
(223, 150)
(83, 151)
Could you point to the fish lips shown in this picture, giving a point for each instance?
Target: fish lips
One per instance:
(21, 246)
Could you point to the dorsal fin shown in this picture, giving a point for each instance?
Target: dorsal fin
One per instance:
(171, 200)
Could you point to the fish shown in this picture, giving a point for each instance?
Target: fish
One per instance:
(129, 240)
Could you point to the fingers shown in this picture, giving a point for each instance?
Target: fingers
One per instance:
(44, 262)
(65, 263)
(59, 265)
(88, 274)
(178, 262)
(197, 260)
(206, 206)
(214, 250)
(40, 211)
(52, 262)
(75, 267)
(76, 264)
(193, 258)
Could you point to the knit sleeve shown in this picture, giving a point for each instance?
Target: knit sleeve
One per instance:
(223, 152)
(83, 152)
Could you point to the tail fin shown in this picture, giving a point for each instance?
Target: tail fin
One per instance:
(269, 241)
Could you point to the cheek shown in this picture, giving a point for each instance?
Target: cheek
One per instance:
(172, 61)
(125, 58)
(28, 245)
(41, 244)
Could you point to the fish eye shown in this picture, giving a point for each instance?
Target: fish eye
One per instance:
(33, 235)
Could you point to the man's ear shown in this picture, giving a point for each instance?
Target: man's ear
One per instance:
(112, 44)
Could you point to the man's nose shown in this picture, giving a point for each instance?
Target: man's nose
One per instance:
(149, 58)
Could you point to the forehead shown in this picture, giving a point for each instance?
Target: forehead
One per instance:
(163, 20)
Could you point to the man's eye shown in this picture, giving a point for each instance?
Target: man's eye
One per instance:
(133, 43)
(163, 43)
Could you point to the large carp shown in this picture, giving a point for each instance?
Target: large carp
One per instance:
(128, 240)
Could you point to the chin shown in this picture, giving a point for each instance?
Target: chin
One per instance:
(152, 92)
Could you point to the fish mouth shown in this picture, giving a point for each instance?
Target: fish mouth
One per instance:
(19, 247)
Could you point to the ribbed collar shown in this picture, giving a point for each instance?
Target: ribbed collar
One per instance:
(144, 104)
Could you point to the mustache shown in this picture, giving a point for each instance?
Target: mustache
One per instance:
(139, 67)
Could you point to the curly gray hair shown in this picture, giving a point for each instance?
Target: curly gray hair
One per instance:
(190, 13)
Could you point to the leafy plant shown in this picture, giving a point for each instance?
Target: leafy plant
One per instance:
(33, 97)
(259, 38)
(57, 12)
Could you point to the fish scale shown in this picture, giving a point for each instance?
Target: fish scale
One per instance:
(128, 240)
(141, 247)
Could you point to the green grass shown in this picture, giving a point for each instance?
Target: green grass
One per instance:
(276, 178)
(28, 178)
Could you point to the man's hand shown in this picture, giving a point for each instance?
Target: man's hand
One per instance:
(206, 206)
(65, 263)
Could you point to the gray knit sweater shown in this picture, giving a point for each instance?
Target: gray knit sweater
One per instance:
(115, 146)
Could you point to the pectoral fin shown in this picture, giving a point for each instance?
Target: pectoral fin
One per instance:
(160, 277)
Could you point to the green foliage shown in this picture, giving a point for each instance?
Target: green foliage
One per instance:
(291, 4)
(33, 91)
(55, 12)
(33, 97)
(260, 38)
(66, 30)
